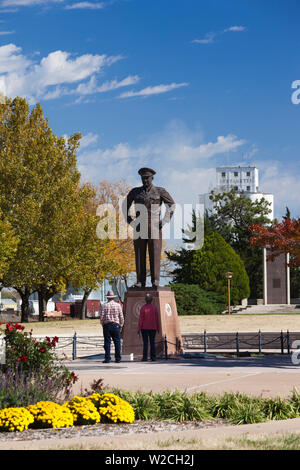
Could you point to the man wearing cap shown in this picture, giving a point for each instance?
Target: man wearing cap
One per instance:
(148, 230)
(112, 321)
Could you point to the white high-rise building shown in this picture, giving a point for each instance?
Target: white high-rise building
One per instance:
(240, 178)
(244, 179)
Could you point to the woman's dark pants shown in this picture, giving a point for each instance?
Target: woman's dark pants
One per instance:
(149, 336)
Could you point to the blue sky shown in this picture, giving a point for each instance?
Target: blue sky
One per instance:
(181, 86)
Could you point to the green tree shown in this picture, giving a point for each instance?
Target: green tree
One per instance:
(192, 300)
(40, 198)
(207, 267)
(8, 245)
(69, 237)
(210, 264)
(95, 260)
(233, 215)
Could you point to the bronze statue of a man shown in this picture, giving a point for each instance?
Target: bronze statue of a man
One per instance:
(148, 225)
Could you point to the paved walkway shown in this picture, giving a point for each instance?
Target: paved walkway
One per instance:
(262, 375)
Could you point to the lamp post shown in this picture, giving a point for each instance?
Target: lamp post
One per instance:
(228, 276)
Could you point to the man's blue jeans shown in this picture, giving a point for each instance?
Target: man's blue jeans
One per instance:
(111, 331)
(149, 335)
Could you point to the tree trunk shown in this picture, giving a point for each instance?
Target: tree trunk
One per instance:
(42, 305)
(83, 303)
(45, 294)
(24, 293)
(126, 282)
(116, 283)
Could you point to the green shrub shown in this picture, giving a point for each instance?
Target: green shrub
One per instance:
(182, 407)
(210, 264)
(144, 404)
(279, 408)
(192, 300)
(235, 408)
(207, 267)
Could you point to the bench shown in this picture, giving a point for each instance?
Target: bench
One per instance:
(55, 315)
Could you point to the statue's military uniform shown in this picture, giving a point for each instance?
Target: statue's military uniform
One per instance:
(150, 233)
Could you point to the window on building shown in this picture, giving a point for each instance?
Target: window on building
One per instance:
(236, 173)
(248, 188)
(248, 173)
(223, 174)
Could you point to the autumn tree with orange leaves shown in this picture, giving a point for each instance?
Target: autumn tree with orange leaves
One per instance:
(121, 246)
(281, 237)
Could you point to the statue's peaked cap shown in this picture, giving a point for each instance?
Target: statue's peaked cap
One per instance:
(146, 172)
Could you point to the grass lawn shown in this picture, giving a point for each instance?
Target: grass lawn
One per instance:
(273, 442)
(287, 441)
(189, 324)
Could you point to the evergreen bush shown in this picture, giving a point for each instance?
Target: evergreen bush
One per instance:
(210, 264)
(192, 300)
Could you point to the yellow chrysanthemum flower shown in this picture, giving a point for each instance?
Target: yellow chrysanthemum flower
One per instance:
(50, 415)
(83, 410)
(113, 408)
(15, 419)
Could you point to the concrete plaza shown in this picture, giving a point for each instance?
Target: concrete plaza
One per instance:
(266, 376)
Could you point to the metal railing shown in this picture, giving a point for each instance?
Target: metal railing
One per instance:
(260, 341)
(203, 342)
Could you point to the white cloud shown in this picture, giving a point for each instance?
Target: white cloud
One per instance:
(11, 59)
(54, 75)
(235, 28)
(183, 164)
(186, 186)
(209, 38)
(88, 140)
(153, 90)
(85, 6)
(63, 74)
(92, 86)
(283, 183)
(174, 144)
(185, 167)
(14, 3)
(223, 144)
(58, 67)
(74, 6)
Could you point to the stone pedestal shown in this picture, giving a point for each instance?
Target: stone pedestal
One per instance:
(169, 335)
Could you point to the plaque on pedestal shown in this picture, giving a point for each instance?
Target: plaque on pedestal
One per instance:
(169, 336)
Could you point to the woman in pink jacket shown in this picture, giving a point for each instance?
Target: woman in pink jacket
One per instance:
(148, 326)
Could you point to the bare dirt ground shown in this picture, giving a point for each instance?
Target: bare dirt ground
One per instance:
(241, 322)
